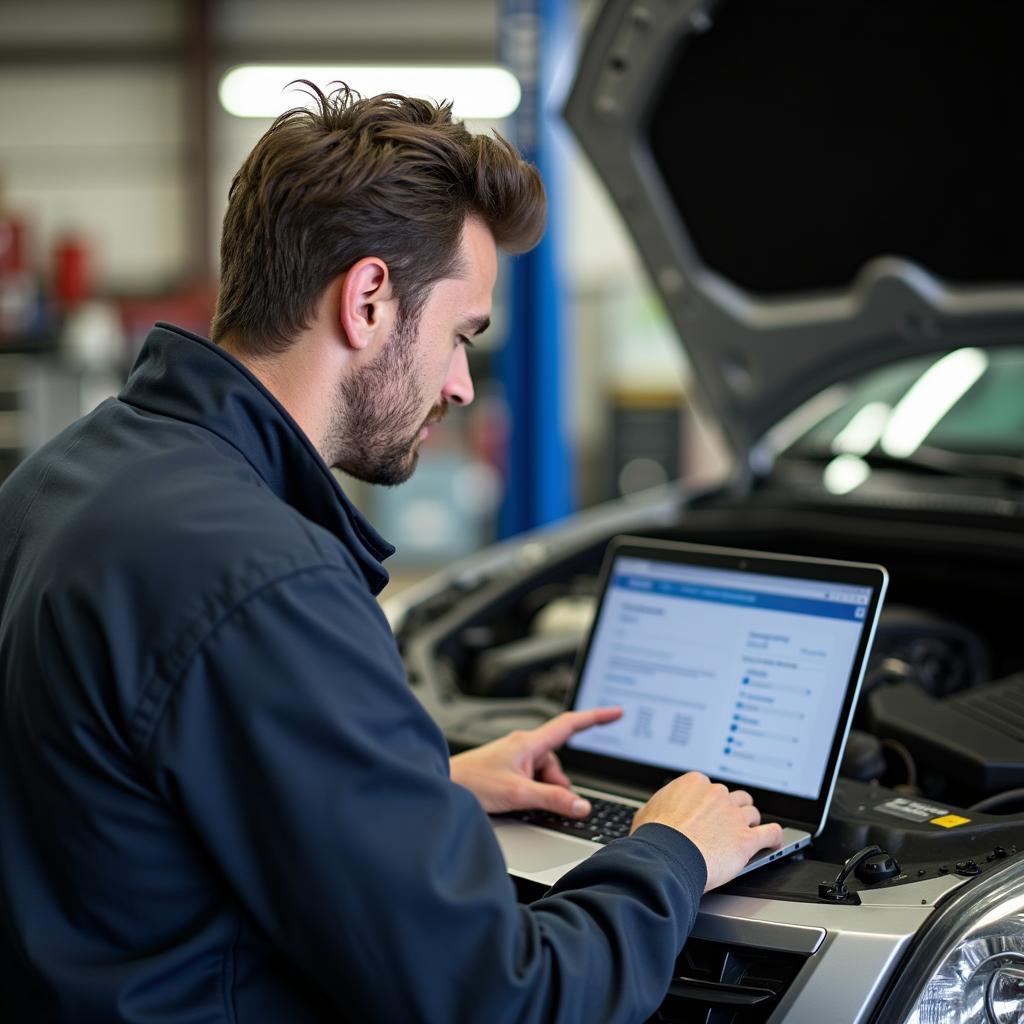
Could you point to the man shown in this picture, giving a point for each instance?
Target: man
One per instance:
(220, 801)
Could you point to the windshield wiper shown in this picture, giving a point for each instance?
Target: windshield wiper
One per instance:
(941, 461)
(948, 463)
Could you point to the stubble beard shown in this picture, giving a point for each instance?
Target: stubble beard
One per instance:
(378, 414)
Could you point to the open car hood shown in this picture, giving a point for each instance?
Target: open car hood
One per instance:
(816, 188)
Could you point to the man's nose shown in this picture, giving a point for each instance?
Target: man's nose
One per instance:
(458, 385)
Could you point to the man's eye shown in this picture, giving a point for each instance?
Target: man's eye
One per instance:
(463, 340)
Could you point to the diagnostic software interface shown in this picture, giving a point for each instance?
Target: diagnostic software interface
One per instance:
(735, 674)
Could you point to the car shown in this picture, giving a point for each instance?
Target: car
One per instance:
(827, 199)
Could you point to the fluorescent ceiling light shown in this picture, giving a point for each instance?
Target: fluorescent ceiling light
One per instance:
(805, 418)
(486, 93)
(861, 434)
(929, 398)
(844, 473)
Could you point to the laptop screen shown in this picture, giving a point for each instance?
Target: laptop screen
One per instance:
(743, 675)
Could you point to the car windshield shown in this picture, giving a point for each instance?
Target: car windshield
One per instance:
(969, 402)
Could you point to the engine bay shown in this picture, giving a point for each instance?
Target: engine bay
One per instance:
(933, 773)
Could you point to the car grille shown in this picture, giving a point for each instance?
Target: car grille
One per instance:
(721, 983)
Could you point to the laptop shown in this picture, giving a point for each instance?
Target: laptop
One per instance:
(740, 664)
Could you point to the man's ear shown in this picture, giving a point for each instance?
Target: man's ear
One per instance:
(367, 304)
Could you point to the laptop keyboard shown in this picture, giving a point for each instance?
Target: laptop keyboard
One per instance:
(608, 820)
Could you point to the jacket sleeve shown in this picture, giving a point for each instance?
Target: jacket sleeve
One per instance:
(294, 748)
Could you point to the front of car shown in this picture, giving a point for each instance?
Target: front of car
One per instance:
(825, 196)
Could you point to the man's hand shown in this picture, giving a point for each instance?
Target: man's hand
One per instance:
(521, 772)
(724, 825)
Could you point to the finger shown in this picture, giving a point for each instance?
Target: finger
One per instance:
(751, 814)
(554, 733)
(694, 779)
(550, 770)
(558, 800)
(741, 798)
(766, 836)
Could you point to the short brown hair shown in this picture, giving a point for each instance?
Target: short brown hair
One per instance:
(387, 176)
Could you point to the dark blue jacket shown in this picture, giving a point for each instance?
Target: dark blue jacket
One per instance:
(219, 799)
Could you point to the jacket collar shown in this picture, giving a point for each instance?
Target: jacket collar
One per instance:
(185, 377)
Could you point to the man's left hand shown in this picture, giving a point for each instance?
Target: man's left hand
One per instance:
(521, 771)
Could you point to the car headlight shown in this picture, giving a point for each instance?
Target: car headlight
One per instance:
(968, 967)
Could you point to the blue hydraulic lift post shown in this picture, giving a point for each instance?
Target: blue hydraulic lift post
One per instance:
(535, 35)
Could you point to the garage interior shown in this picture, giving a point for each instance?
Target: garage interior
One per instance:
(779, 308)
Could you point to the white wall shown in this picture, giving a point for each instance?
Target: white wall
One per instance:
(437, 28)
(91, 148)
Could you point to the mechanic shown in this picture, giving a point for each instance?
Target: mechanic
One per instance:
(220, 799)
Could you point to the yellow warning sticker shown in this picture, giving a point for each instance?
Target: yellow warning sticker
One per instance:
(950, 820)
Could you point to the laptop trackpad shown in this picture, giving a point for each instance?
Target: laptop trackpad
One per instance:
(533, 849)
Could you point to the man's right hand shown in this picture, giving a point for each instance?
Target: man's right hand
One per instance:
(723, 824)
